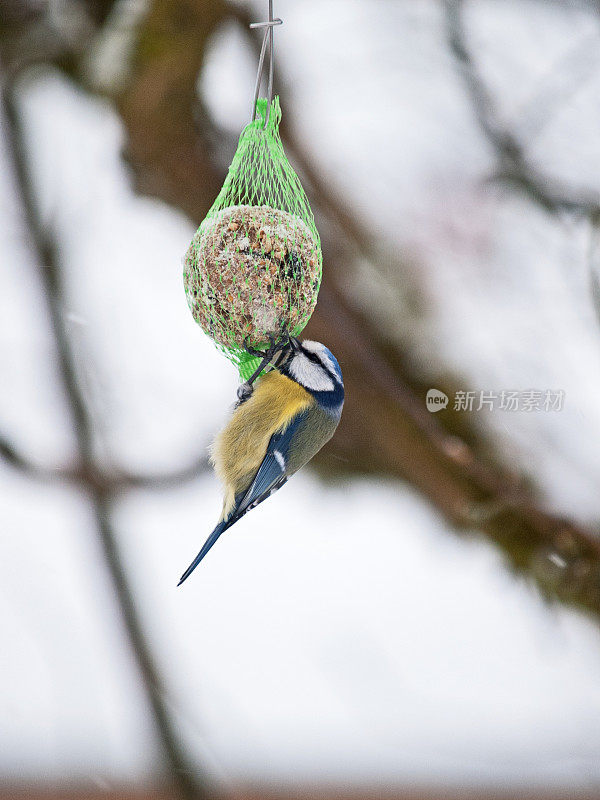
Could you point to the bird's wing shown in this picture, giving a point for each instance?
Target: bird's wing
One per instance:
(272, 473)
(270, 477)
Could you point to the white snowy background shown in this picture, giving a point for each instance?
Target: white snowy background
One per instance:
(337, 632)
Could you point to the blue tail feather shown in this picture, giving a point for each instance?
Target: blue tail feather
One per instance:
(222, 526)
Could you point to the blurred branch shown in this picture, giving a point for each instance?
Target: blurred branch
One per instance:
(10, 453)
(384, 429)
(564, 79)
(393, 435)
(594, 262)
(98, 10)
(184, 777)
(163, 480)
(40, 31)
(112, 482)
(513, 163)
(157, 102)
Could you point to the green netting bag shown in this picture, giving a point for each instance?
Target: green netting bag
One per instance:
(253, 269)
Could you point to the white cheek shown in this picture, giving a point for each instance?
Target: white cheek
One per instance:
(310, 375)
(321, 351)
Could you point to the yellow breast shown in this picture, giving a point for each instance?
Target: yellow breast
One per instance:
(240, 448)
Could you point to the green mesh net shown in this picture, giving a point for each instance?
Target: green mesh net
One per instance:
(253, 269)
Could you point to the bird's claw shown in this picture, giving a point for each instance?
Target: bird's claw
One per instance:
(244, 391)
(252, 350)
(276, 344)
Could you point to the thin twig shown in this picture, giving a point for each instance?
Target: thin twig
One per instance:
(13, 456)
(594, 262)
(114, 481)
(514, 166)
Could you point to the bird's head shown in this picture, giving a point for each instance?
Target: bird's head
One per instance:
(316, 369)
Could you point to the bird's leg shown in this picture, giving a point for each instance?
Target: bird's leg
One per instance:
(245, 389)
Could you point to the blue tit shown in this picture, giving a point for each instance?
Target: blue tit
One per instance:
(275, 430)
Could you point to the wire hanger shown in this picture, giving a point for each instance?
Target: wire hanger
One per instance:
(267, 38)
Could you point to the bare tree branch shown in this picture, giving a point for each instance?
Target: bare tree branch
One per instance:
(109, 481)
(162, 480)
(558, 85)
(13, 456)
(514, 167)
(185, 777)
(594, 262)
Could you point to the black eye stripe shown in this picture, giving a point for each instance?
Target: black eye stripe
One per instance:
(313, 357)
(308, 354)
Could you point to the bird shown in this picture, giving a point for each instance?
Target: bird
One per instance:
(275, 428)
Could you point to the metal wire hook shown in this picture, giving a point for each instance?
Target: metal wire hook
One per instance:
(268, 37)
